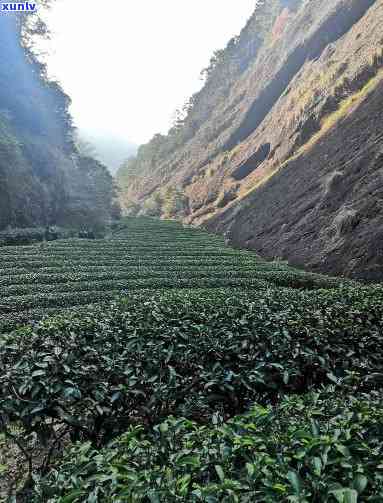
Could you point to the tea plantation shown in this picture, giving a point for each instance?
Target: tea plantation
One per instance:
(143, 254)
(173, 368)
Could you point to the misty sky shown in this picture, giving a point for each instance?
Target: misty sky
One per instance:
(128, 64)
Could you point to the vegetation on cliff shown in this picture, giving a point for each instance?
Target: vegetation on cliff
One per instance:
(163, 363)
(225, 68)
(43, 178)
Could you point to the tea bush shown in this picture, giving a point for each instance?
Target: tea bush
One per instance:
(140, 254)
(314, 448)
(189, 354)
(17, 237)
(173, 368)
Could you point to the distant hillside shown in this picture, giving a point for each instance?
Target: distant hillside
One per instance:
(111, 150)
(281, 149)
(43, 179)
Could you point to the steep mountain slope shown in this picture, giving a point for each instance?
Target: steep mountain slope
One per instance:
(281, 150)
(43, 180)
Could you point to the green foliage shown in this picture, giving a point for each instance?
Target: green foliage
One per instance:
(175, 203)
(202, 333)
(92, 197)
(152, 206)
(318, 447)
(140, 254)
(32, 235)
(40, 179)
(193, 354)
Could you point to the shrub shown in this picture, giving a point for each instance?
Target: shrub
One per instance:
(15, 237)
(318, 447)
(189, 354)
(213, 332)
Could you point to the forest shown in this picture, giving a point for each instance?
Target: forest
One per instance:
(45, 179)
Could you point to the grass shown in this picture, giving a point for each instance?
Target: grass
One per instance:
(327, 124)
(345, 107)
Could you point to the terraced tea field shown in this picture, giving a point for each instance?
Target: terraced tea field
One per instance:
(215, 377)
(143, 254)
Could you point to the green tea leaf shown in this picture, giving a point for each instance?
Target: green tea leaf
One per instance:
(295, 481)
(220, 472)
(360, 483)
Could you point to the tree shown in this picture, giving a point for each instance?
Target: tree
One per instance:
(45, 178)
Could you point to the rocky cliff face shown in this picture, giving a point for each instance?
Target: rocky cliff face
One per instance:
(283, 150)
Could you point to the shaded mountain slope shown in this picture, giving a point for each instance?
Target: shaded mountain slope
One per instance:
(43, 179)
(288, 160)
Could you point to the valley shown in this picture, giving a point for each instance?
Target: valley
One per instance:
(201, 322)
